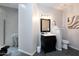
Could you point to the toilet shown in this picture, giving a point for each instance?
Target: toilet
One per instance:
(65, 44)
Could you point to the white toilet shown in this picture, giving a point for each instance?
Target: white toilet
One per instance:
(65, 44)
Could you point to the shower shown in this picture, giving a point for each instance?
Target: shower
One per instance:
(8, 26)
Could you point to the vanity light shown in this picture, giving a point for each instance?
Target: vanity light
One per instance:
(46, 16)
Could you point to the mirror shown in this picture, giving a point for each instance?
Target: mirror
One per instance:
(45, 25)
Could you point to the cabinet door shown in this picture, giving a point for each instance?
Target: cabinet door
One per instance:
(49, 43)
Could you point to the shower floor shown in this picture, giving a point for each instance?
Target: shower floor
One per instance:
(13, 51)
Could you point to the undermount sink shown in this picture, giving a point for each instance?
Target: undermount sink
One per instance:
(48, 34)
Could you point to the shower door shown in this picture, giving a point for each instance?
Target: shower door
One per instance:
(1, 31)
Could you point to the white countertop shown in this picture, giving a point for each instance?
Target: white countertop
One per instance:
(49, 34)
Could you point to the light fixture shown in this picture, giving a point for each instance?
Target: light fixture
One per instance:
(23, 5)
(45, 16)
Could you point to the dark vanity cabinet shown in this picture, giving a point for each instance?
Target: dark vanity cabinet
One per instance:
(48, 43)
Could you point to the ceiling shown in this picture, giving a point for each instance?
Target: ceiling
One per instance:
(58, 6)
(11, 5)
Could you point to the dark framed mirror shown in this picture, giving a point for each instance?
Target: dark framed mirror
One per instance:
(45, 25)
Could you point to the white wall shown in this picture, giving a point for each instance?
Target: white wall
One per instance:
(11, 26)
(35, 25)
(26, 40)
(55, 14)
(71, 34)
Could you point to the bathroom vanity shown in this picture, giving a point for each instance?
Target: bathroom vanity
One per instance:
(48, 42)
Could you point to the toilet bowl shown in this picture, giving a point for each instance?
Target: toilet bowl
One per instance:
(65, 44)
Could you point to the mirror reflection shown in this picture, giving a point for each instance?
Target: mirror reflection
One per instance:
(45, 25)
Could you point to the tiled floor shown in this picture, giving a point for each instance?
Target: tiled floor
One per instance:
(70, 52)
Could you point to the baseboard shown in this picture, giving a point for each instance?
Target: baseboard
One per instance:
(73, 47)
(31, 54)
